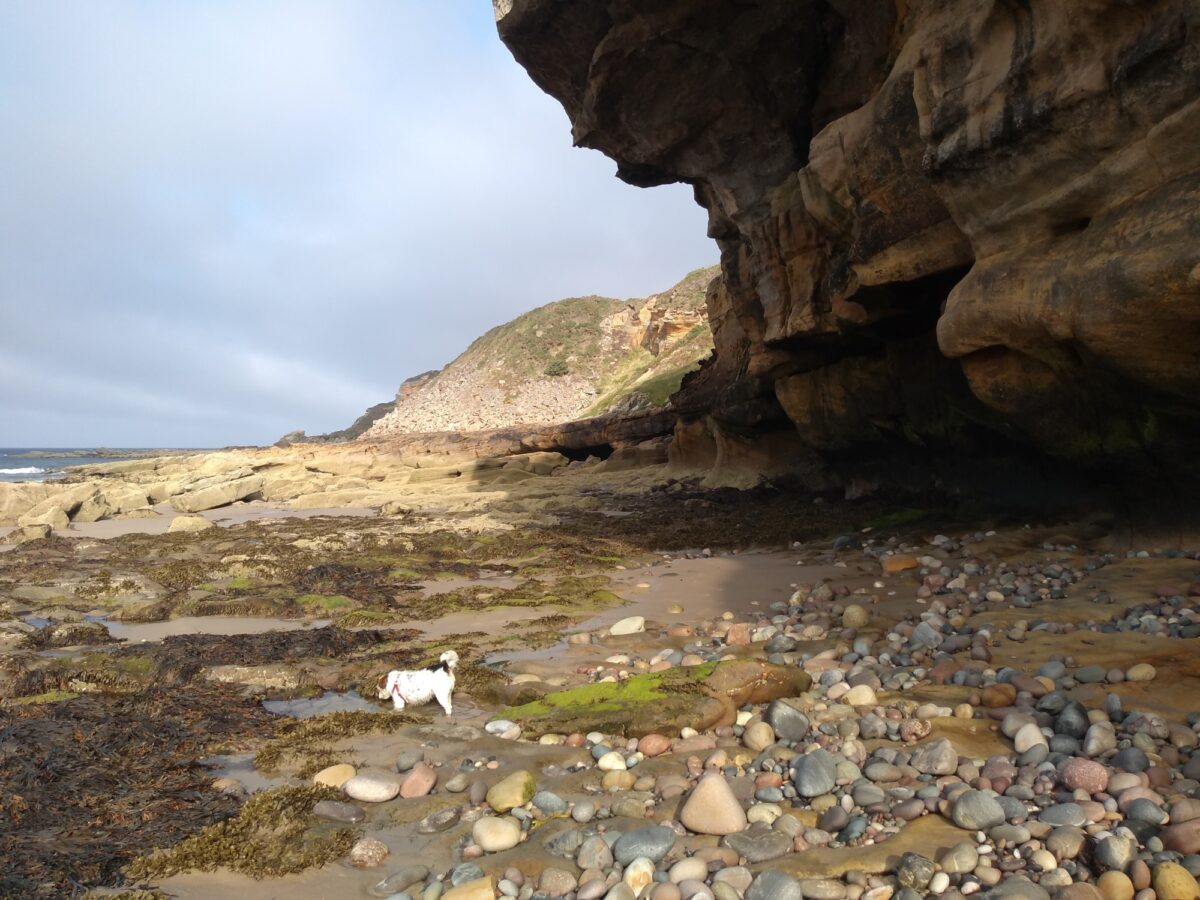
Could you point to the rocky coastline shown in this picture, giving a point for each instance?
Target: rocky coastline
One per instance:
(777, 698)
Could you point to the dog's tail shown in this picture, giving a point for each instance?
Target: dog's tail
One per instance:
(450, 658)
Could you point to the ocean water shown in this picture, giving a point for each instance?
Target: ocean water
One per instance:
(16, 463)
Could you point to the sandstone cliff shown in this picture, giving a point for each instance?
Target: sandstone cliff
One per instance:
(948, 226)
(563, 361)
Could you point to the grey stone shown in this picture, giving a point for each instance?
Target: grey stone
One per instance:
(1063, 814)
(935, 758)
(977, 811)
(790, 723)
(439, 821)
(549, 803)
(759, 845)
(653, 843)
(915, 871)
(815, 773)
(774, 885)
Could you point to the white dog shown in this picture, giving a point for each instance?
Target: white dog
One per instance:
(414, 688)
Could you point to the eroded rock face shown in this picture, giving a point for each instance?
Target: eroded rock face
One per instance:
(939, 222)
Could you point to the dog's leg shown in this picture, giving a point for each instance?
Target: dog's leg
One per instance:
(397, 701)
(444, 697)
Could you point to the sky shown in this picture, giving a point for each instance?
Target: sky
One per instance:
(222, 220)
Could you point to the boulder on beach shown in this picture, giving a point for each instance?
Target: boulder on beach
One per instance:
(189, 524)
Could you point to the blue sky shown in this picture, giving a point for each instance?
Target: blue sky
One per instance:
(221, 220)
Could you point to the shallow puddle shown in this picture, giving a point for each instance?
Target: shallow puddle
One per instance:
(156, 631)
(330, 701)
(241, 767)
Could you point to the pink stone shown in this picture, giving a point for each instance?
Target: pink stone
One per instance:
(420, 781)
(654, 744)
(1183, 838)
(738, 635)
(1084, 774)
(695, 744)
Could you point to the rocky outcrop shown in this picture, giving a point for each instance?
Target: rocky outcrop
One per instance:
(357, 429)
(943, 226)
(566, 360)
(218, 495)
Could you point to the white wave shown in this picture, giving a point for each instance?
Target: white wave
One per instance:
(28, 470)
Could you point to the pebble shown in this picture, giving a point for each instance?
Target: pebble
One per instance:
(372, 787)
(815, 773)
(335, 776)
(419, 781)
(759, 736)
(439, 821)
(713, 808)
(367, 853)
(935, 758)
(583, 811)
(594, 853)
(651, 843)
(639, 872)
(977, 811)
(774, 885)
(515, 790)
(478, 889)
(628, 625)
(556, 882)
(1084, 774)
(494, 834)
(759, 844)
(1173, 882)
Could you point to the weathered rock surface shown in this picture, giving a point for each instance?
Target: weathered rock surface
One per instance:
(939, 223)
(217, 495)
(693, 697)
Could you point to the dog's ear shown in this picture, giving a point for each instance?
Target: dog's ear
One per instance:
(381, 682)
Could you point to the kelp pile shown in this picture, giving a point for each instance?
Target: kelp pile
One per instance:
(89, 783)
(273, 834)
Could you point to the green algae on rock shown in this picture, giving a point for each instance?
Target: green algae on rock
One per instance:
(697, 697)
(273, 834)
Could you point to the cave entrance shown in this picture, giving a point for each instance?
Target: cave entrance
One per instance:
(579, 454)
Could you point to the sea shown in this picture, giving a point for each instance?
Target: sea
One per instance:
(29, 463)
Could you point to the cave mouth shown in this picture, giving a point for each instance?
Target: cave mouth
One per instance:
(580, 454)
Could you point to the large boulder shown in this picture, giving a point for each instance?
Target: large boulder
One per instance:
(93, 509)
(125, 498)
(217, 495)
(697, 697)
(17, 498)
(189, 524)
(50, 514)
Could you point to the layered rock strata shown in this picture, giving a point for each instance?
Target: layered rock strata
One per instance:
(942, 225)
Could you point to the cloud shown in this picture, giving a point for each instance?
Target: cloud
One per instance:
(223, 220)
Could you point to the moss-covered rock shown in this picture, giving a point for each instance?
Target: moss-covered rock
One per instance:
(698, 697)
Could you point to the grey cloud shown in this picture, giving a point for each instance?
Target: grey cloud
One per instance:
(223, 220)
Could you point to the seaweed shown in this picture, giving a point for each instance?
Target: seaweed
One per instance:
(273, 834)
(300, 739)
(107, 776)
